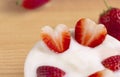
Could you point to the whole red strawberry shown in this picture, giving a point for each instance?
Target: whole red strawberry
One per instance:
(111, 19)
(31, 4)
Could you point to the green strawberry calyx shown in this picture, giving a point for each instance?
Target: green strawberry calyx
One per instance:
(107, 6)
(19, 2)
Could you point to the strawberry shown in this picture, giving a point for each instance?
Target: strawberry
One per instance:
(112, 63)
(57, 40)
(111, 19)
(88, 33)
(103, 73)
(49, 71)
(32, 4)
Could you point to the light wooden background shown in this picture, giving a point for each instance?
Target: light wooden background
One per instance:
(20, 28)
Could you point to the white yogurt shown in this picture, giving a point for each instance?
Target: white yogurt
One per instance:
(77, 61)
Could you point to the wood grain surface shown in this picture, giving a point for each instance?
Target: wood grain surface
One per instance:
(20, 28)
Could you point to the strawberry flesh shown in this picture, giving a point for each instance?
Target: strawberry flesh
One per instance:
(49, 71)
(88, 33)
(112, 63)
(57, 40)
(97, 74)
(111, 20)
(66, 40)
(103, 73)
(50, 42)
(32, 4)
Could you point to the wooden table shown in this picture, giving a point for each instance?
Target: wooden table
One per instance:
(20, 28)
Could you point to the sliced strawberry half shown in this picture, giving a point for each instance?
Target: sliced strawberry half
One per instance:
(103, 73)
(112, 63)
(88, 33)
(49, 71)
(57, 40)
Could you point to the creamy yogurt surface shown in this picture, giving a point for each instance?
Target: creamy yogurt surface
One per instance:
(77, 61)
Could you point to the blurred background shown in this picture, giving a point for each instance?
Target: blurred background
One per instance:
(20, 28)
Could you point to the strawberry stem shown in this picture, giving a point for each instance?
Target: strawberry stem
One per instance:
(18, 2)
(106, 4)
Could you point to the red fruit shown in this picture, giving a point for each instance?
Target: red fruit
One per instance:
(32, 4)
(97, 74)
(58, 40)
(111, 20)
(49, 71)
(103, 73)
(112, 63)
(88, 33)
